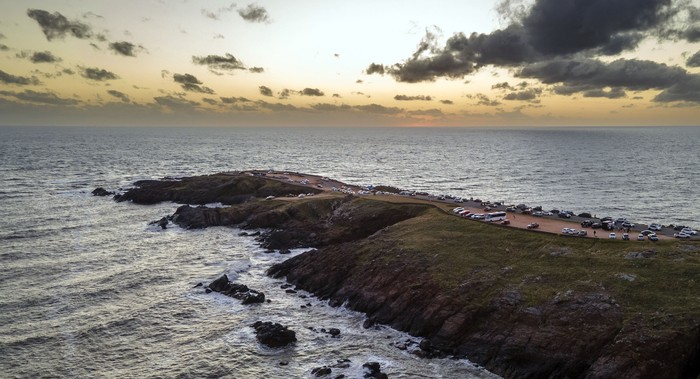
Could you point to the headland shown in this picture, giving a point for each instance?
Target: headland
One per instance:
(521, 303)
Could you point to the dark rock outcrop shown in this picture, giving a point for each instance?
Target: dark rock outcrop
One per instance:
(273, 334)
(237, 291)
(373, 370)
(225, 188)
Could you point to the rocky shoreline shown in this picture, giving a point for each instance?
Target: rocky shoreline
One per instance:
(512, 308)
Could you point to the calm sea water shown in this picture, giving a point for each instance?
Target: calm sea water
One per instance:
(90, 290)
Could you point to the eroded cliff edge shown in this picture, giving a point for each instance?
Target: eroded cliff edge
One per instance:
(521, 304)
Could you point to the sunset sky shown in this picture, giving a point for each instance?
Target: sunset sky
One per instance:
(350, 63)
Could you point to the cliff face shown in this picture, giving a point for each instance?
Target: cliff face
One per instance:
(576, 334)
(524, 305)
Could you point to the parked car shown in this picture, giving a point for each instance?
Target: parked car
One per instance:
(458, 209)
(533, 225)
(568, 231)
(653, 237)
(640, 237)
(681, 235)
(646, 232)
(510, 209)
(582, 233)
(596, 225)
(655, 227)
(547, 214)
(679, 227)
(586, 223)
(527, 211)
(564, 215)
(625, 236)
(537, 213)
(505, 222)
(612, 236)
(689, 231)
(627, 224)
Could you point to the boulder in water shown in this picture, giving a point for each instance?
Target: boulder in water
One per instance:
(273, 334)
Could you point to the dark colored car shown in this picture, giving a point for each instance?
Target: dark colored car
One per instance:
(586, 223)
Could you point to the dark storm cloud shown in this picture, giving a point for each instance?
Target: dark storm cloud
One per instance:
(254, 13)
(336, 95)
(265, 91)
(18, 80)
(256, 70)
(227, 62)
(412, 98)
(614, 93)
(503, 86)
(447, 102)
(191, 83)
(119, 95)
(549, 29)
(124, 48)
(44, 57)
(4, 47)
(685, 90)
(311, 92)
(48, 98)
(209, 101)
(694, 60)
(56, 25)
(631, 74)
(98, 74)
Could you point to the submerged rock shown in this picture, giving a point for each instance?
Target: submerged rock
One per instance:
(99, 191)
(273, 334)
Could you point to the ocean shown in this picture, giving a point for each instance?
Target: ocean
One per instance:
(91, 290)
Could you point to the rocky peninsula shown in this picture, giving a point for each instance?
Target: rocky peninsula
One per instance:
(520, 303)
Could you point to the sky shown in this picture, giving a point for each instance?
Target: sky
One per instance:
(350, 63)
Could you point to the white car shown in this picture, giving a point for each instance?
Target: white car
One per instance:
(612, 236)
(458, 209)
(681, 235)
(568, 231)
(689, 231)
(640, 237)
(655, 227)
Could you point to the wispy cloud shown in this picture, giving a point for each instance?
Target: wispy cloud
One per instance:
(265, 91)
(119, 95)
(56, 25)
(254, 13)
(227, 62)
(191, 83)
(412, 98)
(48, 98)
(97, 74)
(124, 48)
(18, 80)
